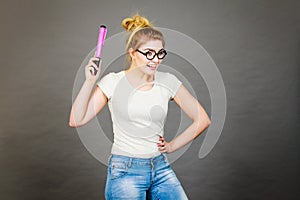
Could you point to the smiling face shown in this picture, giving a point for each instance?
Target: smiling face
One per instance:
(141, 62)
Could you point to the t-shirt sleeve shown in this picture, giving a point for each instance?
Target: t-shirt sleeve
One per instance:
(106, 85)
(174, 85)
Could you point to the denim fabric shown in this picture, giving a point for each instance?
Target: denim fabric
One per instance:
(141, 179)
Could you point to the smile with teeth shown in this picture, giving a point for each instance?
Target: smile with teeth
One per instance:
(153, 67)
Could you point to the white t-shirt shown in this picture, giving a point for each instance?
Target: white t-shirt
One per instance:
(138, 116)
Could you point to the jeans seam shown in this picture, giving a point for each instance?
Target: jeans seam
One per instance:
(155, 196)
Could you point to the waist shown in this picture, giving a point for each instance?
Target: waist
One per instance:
(147, 154)
(138, 161)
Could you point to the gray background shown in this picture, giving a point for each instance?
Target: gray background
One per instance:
(255, 45)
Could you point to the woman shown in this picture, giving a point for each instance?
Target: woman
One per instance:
(138, 101)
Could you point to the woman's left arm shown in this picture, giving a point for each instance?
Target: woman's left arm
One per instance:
(196, 112)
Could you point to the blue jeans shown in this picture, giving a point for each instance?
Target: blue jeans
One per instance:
(141, 179)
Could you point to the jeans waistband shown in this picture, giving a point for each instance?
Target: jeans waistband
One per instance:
(139, 161)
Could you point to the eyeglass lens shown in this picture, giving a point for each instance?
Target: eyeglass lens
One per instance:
(150, 54)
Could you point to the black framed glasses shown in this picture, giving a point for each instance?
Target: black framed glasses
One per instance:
(150, 54)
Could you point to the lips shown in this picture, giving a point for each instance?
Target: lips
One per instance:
(152, 67)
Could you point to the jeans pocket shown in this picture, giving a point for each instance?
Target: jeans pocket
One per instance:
(118, 169)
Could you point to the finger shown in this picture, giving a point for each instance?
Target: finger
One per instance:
(162, 149)
(95, 71)
(92, 64)
(160, 145)
(94, 58)
(95, 68)
(98, 63)
(163, 142)
(92, 70)
(97, 59)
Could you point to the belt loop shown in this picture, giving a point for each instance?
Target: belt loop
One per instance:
(129, 162)
(151, 164)
(109, 158)
(165, 157)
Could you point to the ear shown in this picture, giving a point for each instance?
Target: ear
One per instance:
(131, 53)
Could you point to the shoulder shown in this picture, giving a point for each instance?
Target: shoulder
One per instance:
(168, 81)
(109, 81)
(112, 77)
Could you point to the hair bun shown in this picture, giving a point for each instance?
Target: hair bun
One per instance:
(137, 21)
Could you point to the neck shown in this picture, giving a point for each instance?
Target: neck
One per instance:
(137, 74)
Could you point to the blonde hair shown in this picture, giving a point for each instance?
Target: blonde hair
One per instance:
(141, 32)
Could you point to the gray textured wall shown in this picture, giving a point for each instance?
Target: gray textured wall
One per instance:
(255, 45)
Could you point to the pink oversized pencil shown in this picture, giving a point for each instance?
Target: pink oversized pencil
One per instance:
(100, 43)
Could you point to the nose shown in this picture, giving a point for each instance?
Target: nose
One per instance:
(155, 59)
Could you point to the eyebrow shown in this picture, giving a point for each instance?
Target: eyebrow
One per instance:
(152, 49)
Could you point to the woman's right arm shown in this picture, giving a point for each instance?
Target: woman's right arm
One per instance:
(87, 103)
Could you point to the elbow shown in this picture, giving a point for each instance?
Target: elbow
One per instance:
(203, 123)
(71, 122)
(208, 122)
(72, 125)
